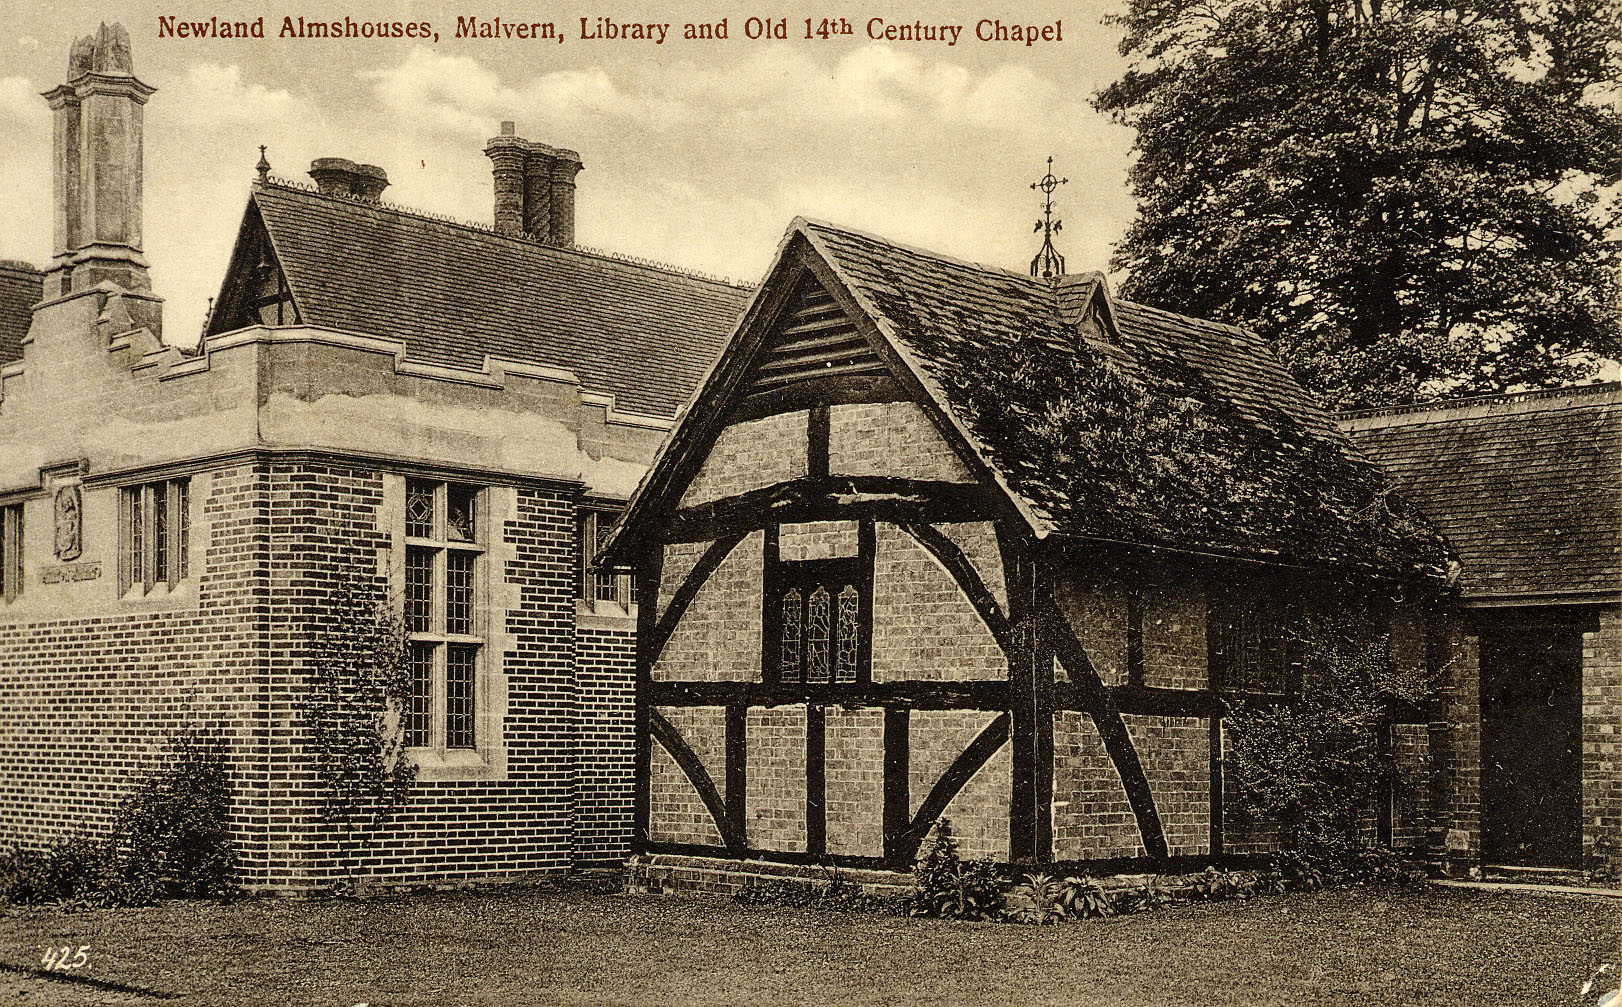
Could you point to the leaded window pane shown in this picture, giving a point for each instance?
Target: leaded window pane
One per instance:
(459, 515)
(183, 520)
(845, 658)
(135, 540)
(458, 592)
(459, 666)
(817, 618)
(160, 534)
(422, 681)
(793, 610)
(419, 590)
(419, 509)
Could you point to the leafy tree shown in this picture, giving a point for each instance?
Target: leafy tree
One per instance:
(359, 682)
(1404, 197)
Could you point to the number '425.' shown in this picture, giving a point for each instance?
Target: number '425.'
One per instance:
(65, 959)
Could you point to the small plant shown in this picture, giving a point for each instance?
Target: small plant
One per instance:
(1038, 899)
(169, 839)
(1084, 898)
(950, 887)
(1150, 896)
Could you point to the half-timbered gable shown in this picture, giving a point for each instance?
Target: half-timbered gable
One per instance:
(934, 540)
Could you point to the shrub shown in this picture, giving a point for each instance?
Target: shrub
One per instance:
(1038, 899)
(952, 888)
(1084, 897)
(1315, 765)
(838, 894)
(169, 839)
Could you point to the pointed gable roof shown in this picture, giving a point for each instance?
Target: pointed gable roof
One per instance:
(1187, 434)
(454, 294)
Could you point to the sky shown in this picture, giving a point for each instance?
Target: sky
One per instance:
(697, 153)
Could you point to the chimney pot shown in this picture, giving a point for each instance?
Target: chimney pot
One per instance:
(509, 128)
(339, 176)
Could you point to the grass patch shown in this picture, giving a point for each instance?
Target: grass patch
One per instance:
(581, 945)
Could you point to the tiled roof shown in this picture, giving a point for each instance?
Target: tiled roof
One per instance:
(455, 293)
(1225, 452)
(1527, 488)
(21, 287)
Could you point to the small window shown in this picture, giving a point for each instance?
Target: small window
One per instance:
(442, 603)
(154, 534)
(601, 588)
(819, 622)
(1250, 643)
(11, 551)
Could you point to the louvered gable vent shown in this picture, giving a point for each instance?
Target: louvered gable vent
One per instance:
(813, 338)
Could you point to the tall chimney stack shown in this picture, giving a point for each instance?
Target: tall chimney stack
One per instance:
(534, 187)
(507, 154)
(96, 170)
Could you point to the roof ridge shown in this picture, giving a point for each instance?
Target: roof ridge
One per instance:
(20, 266)
(918, 250)
(1464, 402)
(1013, 274)
(490, 230)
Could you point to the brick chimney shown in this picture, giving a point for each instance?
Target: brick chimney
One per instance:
(339, 176)
(534, 187)
(96, 167)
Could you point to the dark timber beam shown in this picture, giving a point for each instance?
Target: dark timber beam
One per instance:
(832, 498)
(1091, 696)
(672, 741)
(904, 847)
(712, 558)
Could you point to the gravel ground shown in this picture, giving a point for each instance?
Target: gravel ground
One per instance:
(579, 945)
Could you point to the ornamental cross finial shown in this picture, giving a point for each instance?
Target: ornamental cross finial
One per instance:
(1048, 262)
(263, 167)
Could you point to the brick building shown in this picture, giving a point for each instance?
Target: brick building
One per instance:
(1528, 490)
(913, 552)
(447, 409)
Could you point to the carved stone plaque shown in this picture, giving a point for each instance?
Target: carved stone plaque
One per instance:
(69, 523)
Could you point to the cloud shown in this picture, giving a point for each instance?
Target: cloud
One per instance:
(216, 94)
(20, 100)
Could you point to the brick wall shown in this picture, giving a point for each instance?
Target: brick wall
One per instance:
(853, 756)
(890, 439)
(1602, 742)
(605, 676)
(978, 540)
(1455, 739)
(1094, 604)
(86, 704)
(1176, 756)
(1174, 647)
(979, 813)
(718, 638)
(1092, 818)
(774, 815)
(751, 455)
(1410, 796)
(676, 814)
(816, 540)
(924, 628)
(270, 540)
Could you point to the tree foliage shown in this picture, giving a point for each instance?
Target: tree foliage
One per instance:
(1405, 197)
(359, 682)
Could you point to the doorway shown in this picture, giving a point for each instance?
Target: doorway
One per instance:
(1531, 743)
